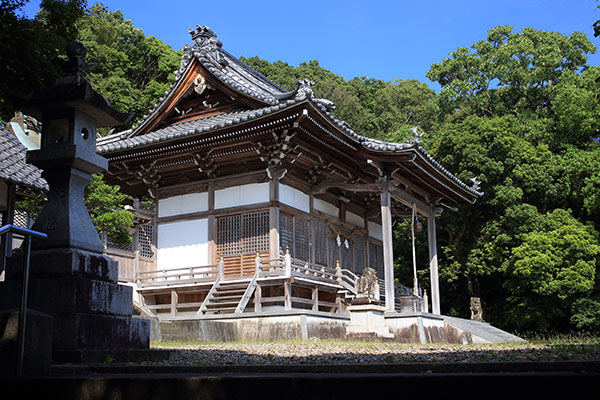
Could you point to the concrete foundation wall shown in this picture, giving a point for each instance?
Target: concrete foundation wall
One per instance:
(277, 326)
(300, 325)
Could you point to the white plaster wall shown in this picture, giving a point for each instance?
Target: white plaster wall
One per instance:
(375, 230)
(326, 207)
(184, 204)
(355, 219)
(182, 244)
(242, 195)
(294, 198)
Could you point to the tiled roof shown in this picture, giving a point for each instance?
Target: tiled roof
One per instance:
(13, 167)
(121, 141)
(235, 74)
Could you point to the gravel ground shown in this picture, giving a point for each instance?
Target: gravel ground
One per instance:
(338, 352)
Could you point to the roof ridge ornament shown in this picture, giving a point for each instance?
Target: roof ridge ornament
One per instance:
(204, 38)
(475, 184)
(205, 41)
(305, 90)
(416, 135)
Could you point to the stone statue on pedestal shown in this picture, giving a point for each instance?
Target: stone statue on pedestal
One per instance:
(367, 288)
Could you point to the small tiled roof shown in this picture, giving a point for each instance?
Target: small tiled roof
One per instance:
(13, 167)
(121, 141)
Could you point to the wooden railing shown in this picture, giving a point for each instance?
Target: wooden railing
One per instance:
(129, 263)
(349, 280)
(178, 276)
(302, 268)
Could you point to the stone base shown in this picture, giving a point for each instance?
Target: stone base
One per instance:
(90, 310)
(368, 319)
(65, 262)
(38, 343)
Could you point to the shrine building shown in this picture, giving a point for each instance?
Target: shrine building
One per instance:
(258, 200)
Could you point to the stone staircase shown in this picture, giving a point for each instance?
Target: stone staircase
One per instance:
(226, 297)
(482, 330)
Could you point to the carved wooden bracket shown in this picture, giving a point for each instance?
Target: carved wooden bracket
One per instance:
(206, 164)
(140, 173)
(276, 151)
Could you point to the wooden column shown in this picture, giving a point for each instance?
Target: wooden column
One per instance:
(433, 265)
(258, 298)
(212, 247)
(174, 300)
(388, 253)
(274, 217)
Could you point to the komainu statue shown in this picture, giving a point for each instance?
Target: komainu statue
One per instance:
(476, 310)
(367, 288)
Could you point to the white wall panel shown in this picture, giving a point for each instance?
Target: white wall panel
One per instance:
(375, 230)
(326, 207)
(294, 198)
(184, 204)
(182, 244)
(355, 219)
(242, 195)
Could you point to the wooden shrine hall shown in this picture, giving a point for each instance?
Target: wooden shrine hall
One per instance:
(262, 200)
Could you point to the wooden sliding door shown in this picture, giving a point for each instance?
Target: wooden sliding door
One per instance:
(238, 238)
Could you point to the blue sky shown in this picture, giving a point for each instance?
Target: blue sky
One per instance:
(378, 39)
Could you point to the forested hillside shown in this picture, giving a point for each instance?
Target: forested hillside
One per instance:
(518, 111)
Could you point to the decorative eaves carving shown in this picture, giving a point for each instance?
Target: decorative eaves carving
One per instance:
(147, 174)
(205, 163)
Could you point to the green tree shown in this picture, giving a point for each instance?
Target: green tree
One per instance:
(30, 45)
(105, 204)
(553, 266)
(520, 113)
(133, 70)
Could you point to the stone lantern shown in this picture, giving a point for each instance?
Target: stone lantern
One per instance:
(69, 111)
(71, 279)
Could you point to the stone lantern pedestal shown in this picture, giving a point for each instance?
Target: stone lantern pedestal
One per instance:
(70, 278)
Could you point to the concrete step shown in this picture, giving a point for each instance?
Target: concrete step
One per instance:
(483, 330)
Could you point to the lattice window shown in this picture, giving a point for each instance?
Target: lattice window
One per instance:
(229, 235)
(320, 240)
(353, 258)
(294, 233)
(286, 232)
(327, 252)
(145, 235)
(255, 232)
(376, 259)
(301, 239)
(21, 219)
(110, 243)
(243, 233)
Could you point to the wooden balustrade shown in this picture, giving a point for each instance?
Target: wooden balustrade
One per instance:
(177, 276)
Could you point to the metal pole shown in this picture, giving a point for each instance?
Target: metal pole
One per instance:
(23, 309)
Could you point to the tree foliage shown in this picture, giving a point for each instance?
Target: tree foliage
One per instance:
(30, 45)
(519, 111)
(133, 70)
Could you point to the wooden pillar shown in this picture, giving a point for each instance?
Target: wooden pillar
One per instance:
(315, 299)
(258, 298)
(388, 253)
(287, 293)
(212, 247)
(174, 299)
(274, 217)
(433, 265)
